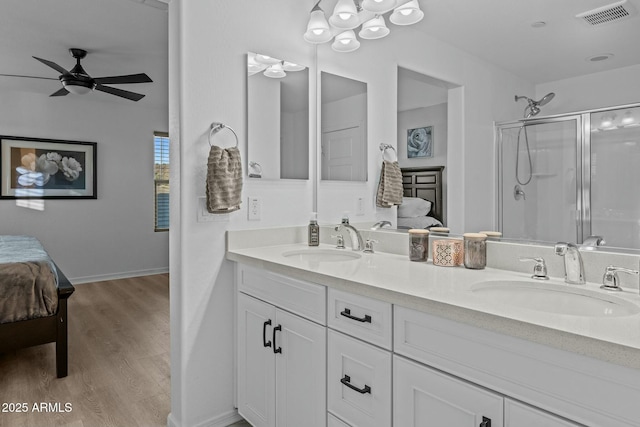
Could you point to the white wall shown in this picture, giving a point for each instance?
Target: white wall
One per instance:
(113, 235)
(604, 89)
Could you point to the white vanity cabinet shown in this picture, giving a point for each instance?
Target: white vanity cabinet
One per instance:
(517, 414)
(281, 356)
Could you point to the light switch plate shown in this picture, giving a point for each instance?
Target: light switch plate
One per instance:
(254, 204)
(205, 216)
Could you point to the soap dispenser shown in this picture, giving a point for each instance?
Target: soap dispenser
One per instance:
(314, 230)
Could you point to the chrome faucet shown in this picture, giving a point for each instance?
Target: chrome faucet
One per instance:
(573, 265)
(357, 243)
(381, 224)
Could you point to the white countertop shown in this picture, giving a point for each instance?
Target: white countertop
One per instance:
(446, 292)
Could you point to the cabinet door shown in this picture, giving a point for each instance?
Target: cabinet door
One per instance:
(300, 372)
(256, 364)
(517, 414)
(425, 397)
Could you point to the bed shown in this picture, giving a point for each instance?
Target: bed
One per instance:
(33, 299)
(421, 184)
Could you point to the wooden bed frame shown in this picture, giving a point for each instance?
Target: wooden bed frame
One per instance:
(426, 183)
(43, 330)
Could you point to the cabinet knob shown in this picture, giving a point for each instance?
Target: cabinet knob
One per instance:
(486, 422)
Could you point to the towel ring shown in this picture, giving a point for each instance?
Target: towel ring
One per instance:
(385, 147)
(217, 127)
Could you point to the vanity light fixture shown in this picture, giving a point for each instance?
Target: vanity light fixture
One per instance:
(607, 121)
(627, 118)
(351, 14)
(273, 67)
(275, 71)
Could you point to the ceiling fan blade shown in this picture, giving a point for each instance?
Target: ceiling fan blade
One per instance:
(131, 78)
(52, 65)
(61, 92)
(28, 77)
(119, 92)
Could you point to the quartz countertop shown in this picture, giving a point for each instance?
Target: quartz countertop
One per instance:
(447, 292)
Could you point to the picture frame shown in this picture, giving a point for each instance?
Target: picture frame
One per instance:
(37, 168)
(420, 142)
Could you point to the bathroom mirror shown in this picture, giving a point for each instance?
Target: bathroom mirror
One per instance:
(277, 118)
(343, 126)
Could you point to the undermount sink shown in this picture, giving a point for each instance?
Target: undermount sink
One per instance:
(322, 255)
(554, 298)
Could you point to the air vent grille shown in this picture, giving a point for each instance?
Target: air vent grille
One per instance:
(608, 14)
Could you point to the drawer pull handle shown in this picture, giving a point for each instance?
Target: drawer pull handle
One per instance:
(486, 422)
(264, 333)
(276, 349)
(347, 313)
(347, 381)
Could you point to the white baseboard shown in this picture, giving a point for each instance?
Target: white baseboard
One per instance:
(223, 420)
(115, 276)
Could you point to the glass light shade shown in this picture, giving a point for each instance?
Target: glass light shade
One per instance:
(275, 71)
(345, 15)
(345, 42)
(607, 121)
(627, 118)
(407, 14)
(374, 29)
(318, 30)
(266, 59)
(254, 66)
(378, 6)
(77, 89)
(290, 66)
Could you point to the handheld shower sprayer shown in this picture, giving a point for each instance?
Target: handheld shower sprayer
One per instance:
(532, 109)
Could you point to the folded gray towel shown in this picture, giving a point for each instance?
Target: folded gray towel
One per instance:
(390, 186)
(224, 180)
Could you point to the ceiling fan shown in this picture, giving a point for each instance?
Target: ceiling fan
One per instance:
(78, 81)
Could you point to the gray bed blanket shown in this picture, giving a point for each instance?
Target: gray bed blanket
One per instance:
(28, 280)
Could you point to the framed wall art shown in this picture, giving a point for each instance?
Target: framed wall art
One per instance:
(420, 142)
(47, 168)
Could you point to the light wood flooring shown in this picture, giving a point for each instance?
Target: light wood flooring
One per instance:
(118, 361)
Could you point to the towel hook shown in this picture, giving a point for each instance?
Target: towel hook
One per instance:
(385, 147)
(217, 127)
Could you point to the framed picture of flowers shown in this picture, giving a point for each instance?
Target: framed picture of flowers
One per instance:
(420, 142)
(47, 168)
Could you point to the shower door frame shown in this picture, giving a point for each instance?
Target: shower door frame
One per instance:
(583, 161)
(582, 202)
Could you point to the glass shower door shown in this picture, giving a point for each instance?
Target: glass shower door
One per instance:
(542, 201)
(614, 172)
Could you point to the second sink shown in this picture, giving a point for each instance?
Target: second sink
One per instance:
(554, 298)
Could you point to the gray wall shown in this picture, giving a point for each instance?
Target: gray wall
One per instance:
(109, 237)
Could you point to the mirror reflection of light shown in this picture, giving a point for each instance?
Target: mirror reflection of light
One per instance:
(627, 119)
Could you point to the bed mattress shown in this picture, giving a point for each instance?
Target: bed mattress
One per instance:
(28, 280)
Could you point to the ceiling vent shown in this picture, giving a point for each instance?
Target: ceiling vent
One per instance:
(614, 12)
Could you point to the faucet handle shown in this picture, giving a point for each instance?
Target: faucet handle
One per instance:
(539, 269)
(610, 279)
(368, 245)
(340, 243)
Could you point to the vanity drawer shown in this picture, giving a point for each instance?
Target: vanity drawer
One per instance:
(359, 381)
(365, 318)
(302, 298)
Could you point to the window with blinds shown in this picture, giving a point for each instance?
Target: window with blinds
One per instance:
(161, 180)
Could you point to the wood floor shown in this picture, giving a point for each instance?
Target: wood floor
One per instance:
(118, 361)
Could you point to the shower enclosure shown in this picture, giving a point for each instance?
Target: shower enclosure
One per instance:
(583, 177)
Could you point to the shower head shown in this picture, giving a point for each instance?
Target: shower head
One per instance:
(534, 106)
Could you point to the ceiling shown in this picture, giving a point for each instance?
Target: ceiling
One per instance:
(127, 36)
(120, 36)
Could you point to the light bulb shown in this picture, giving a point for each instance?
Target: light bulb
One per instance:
(344, 16)
(627, 119)
(318, 31)
(406, 12)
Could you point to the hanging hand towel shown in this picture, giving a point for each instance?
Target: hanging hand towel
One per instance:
(224, 180)
(390, 187)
